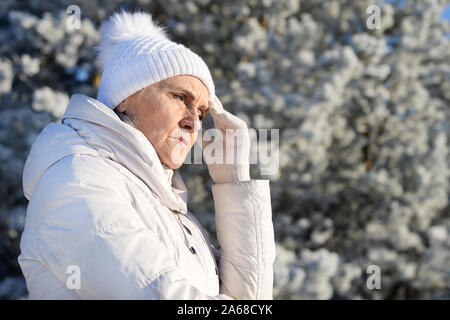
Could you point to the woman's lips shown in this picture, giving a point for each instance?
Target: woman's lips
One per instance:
(181, 141)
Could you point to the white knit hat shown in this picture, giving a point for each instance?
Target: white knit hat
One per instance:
(136, 52)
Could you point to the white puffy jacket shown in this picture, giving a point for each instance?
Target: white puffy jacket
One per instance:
(99, 200)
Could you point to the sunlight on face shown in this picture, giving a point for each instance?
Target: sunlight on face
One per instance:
(169, 113)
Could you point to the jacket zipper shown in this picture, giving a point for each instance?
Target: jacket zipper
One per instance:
(183, 228)
(206, 243)
(205, 265)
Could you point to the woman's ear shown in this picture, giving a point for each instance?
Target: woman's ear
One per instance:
(121, 107)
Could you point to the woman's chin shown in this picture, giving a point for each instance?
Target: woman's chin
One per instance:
(173, 166)
(176, 157)
(175, 160)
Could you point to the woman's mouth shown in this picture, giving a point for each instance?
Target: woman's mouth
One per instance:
(180, 140)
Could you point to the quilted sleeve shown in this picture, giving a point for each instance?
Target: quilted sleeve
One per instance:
(246, 237)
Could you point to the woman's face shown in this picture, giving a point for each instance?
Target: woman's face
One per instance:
(168, 113)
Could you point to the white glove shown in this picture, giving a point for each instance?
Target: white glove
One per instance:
(230, 162)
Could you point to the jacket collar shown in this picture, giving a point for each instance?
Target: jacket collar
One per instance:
(97, 127)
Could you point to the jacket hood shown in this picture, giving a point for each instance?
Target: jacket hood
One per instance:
(90, 127)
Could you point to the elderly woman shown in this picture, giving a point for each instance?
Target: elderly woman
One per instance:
(107, 216)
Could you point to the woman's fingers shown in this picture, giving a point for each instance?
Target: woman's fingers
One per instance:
(224, 119)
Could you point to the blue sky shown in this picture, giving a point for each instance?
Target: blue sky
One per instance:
(446, 13)
(401, 3)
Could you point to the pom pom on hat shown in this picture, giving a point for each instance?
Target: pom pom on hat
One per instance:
(124, 26)
(135, 51)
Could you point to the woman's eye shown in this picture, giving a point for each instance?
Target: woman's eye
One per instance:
(181, 98)
(178, 96)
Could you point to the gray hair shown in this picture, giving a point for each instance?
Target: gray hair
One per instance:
(125, 118)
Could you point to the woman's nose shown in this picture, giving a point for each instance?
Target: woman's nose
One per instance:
(190, 122)
(187, 124)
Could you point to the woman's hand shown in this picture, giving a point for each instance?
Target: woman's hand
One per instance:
(230, 161)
